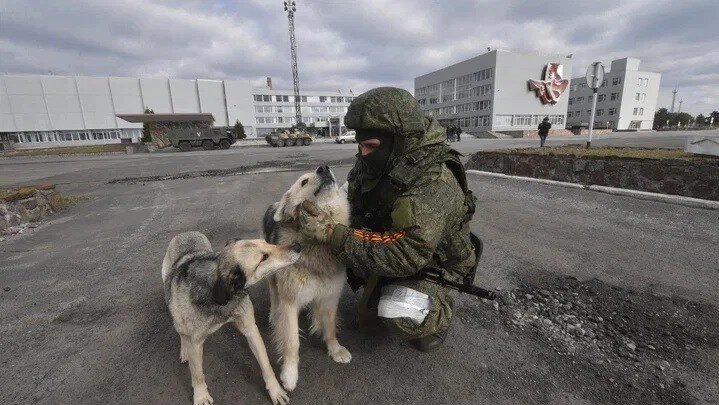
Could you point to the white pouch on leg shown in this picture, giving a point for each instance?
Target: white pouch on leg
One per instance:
(397, 301)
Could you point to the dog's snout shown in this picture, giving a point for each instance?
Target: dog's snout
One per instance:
(296, 247)
(323, 169)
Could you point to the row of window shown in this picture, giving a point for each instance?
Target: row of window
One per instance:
(600, 98)
(266, 109)
(640, 97)
(303, 99)
(468, 122)
(461, 108)
(643, 81)
(517, 120)
(600, 112)
(66, 136)
(288, 120)
(638, 111)
(460, 84)
(615, 81)
(473, 92)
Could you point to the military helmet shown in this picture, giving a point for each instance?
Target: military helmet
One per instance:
(386, 109)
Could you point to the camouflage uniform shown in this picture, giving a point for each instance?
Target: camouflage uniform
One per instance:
(418, 214)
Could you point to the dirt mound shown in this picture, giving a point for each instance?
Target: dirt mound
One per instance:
(642, 344)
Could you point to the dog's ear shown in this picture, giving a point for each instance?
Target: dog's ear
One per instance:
(281, 212)
(221, 291)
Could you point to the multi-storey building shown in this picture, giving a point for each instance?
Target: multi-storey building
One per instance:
(51, 111)
(491, 92)
(626, 99)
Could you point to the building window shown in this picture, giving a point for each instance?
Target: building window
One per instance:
(577, 113)
(613, 96)
(323, 99)
(612, 111)
(643, 97)
(601, 97)
(600, 112)
(641, 111)
(258, 97)
(616, 81)
(303, 99)
(580, 99)
(266, 97)
(635, 111)
(569, 114)
(646, 82)
(571, 100)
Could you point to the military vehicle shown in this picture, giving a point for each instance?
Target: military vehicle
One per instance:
(287, 138)
(208, 138)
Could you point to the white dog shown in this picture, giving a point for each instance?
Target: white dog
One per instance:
(316, 279)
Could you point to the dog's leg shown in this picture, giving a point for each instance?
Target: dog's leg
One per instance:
(184, 344)
(245, 323)
(287, 337)
(324, 311)
(194, 353)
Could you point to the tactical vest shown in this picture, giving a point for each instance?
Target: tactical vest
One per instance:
(372, 210)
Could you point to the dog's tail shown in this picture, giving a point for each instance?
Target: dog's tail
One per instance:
(181, 245)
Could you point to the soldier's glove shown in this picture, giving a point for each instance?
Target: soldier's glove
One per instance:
(313, 224)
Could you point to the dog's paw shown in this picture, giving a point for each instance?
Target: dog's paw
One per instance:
(278, 395)
(340, 354)
(202, 396)
(289, 377)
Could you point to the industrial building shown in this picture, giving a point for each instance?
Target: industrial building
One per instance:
(51, 111)
(626, 99)
(503, 91)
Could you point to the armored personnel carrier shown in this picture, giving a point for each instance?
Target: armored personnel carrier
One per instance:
(287, 138)
(208, 138)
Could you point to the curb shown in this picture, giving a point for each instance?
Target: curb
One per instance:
(642, 195)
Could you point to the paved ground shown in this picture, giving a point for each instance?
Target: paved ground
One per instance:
(82, 318)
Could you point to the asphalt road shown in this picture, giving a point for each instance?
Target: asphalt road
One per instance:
(83, 318)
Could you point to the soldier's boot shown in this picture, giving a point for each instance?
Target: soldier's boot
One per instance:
(430, 342)
(367, 308)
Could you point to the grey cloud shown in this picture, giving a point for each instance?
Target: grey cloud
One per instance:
(349, 44)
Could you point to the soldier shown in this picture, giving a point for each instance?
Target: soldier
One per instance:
(410, 209)
(543, 130)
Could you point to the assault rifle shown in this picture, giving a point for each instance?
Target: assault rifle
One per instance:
(434, 275)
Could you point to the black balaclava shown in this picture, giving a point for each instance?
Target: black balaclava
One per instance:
(374, 165)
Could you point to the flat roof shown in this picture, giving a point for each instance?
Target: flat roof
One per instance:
(177, 117)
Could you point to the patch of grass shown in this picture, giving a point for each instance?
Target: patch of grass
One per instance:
(13, 194)
(581, 151)
(70, 150)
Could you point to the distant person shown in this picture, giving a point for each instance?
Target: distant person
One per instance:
(459, 134)
(543, 130)
(448, 133)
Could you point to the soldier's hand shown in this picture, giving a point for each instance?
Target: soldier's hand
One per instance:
(313, 224)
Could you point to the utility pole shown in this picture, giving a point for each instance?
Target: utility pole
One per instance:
(291, 7)
(674, 97)
(680, 105)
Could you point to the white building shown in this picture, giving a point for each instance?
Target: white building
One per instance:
(51, 111)
(491, 92)
(626, 100)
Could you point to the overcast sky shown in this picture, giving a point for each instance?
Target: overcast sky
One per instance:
(352, 44)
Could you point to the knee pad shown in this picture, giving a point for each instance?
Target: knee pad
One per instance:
(398, 301)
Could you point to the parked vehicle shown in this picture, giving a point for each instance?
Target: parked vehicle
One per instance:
(287, 138)
(208, 138)
(348, 136)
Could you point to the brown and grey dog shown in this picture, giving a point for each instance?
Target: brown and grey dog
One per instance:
(316, 280)
(205, 290)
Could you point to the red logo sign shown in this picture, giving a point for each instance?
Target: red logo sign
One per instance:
(552, 86)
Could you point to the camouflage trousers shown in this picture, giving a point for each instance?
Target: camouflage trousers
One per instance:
(437, 321)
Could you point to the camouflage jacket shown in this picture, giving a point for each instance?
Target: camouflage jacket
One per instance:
(426, 220)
